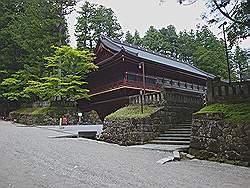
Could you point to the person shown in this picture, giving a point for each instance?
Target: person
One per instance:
(64, 120)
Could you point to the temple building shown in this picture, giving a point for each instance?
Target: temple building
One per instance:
(125, 70)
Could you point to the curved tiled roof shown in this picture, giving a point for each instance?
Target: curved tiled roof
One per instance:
(143, 53)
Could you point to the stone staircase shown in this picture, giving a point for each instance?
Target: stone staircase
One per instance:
(177, 135)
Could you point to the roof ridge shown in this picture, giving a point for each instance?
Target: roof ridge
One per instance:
(145, 50)
(110, 40)
(169, 57)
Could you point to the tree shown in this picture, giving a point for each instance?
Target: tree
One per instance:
(95, 20)
(129, 38)
(209, 53)
(171, 39)
(186, 45)
(27, 31)
(212, 61)
(154, 40)
(202, 48)
(66, 70)
(240, 63)
(237, 13)
(62, 8)
(136, 39)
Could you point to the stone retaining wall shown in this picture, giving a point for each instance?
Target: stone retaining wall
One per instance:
(133, 131)
(52, 118)
(213, 138)
(139, 131)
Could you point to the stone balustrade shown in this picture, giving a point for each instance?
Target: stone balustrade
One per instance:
(219, 91)
(150, 98)
(167, 97)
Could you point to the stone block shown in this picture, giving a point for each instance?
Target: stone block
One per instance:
(232, 155)
(164, 160)
(177, 156)
(197, 142)
(215, 132)
(190, 156)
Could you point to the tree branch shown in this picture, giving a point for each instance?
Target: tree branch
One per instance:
(226, 14)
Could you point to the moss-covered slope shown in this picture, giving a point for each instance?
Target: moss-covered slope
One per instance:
(233, 112)
(133, 112)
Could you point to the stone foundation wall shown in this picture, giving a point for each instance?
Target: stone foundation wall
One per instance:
(133, 131)
(213, 138)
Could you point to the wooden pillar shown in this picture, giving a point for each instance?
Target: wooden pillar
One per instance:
(210, 91)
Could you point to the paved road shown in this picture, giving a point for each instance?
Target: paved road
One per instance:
(74, 129)
(29, 159)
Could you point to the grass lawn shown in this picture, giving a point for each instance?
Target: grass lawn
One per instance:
(233, 112)
(133, 112)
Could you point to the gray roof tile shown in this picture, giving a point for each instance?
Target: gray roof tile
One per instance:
(152, 56)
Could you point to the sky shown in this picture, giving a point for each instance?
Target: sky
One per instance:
(141, 14)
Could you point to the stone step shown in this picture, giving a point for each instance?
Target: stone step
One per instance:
(177, 132)
(181, 127)
(183, 124)
(172, 138)
(174, 135)
(177, 129)
(170, 142)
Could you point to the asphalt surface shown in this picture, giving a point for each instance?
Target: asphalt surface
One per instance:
(74, 129)
(30, 159)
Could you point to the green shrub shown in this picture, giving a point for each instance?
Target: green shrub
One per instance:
(41, 111)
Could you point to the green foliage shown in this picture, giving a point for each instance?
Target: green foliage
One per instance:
(233, 112)
(170, 39)
(12, 84)
(154, 40)
(202, 48)
(211, 61)
(66, 69)
(27, 31)
(129, 38)
(239, 61)
(12, 87)
(133, 39)
(51, 110)
(133, 112)
(94, 21)
(41, 111)
(238, 20)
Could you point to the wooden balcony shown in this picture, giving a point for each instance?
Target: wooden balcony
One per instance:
(152, 84)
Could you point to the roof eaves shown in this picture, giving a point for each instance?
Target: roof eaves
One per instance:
(110, 41)
(115, 41)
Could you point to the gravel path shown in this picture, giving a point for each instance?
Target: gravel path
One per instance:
(29, 159)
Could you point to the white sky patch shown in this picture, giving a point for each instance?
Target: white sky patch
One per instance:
(141, 14)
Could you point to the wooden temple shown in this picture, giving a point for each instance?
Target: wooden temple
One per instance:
(125, 70)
